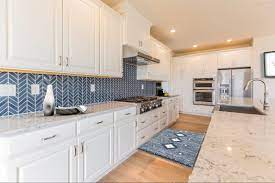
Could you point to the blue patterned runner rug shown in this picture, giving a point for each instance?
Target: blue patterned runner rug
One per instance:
(179, 146)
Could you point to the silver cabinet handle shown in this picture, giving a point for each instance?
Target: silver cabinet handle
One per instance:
(143, 122)
(127, 114)
(99, 122)
(60, 60)
(75, 150)
(82, 147)
(156, 116)
(49, 138)
(67, 61)
(143, 137)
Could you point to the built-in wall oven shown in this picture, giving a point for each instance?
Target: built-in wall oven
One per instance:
(204, 91)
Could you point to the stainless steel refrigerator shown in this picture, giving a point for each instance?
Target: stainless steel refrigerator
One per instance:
(231, 83)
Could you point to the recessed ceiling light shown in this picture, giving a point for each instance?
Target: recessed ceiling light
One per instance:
(173, 30)
(195, 46)
(229, 40)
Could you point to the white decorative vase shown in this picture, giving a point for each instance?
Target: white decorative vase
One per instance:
(48, 103)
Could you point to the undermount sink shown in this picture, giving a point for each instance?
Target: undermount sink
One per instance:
(241, 109)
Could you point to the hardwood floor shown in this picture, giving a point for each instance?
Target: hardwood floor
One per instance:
(145, 167)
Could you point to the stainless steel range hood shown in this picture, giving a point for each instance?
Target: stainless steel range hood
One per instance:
(136, 57)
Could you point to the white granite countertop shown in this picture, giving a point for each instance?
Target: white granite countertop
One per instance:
(238, 147)
(24, 123)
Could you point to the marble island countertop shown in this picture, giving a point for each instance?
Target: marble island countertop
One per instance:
(238, 147)
(25, 123)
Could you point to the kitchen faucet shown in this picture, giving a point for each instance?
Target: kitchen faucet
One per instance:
(266, 105)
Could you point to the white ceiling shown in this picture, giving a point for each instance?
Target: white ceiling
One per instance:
(206, 21)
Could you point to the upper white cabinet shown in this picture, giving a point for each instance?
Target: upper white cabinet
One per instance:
(161, 71)
(72, 36)
(235, 58)
(81, 36)
(31, 34)
(204, 65)
(111, 42)
(136, 28)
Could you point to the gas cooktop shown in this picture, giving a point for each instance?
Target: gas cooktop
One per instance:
(144, 104)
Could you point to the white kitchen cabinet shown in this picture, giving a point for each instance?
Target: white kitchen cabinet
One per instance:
(160, 71)
(56, 163)
(110, 42)
(31, 33)
(204, 66)
(72, 36)
(173, 110)
(125, 138)
(235, 58)
(81, 36)
(136, 28)
(96, 154)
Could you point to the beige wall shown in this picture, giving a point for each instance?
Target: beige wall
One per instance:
(261, 45)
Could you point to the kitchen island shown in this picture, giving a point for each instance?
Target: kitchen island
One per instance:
(238, 147)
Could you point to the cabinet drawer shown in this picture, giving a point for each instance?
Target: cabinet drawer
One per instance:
(165, 102)
(155, 128)
(95, 123)
(126, 113)
(143, 136)
(163, 112)
(42, 138)
(163, 123)
(156, 115)
(144, 120)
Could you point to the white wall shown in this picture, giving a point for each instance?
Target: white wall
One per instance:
(261, 45)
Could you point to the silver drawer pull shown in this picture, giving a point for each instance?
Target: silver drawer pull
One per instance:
(163, 112)
(156, 116)
(49, 138)
(127, 114)
(143, 122)
(99, 122)
(143, 137)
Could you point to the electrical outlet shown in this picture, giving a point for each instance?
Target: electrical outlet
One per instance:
(142, 86)
(92, 87)
(35, 89)
(7, 90)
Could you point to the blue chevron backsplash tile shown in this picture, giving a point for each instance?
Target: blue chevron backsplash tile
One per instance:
(69, 90)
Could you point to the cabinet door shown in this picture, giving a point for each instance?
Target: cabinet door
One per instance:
(224, 60)
(97, 155)
(110, 42)
(209, 65)
(125, 134)
(241, 58)
(81, 36)
(32, 34)
(235, 58)
(137, 30)
(58, 166)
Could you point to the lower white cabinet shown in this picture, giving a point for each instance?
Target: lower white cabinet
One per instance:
(82, 151)
(173, 110)
(95, 154)
(57, 163)
(125, 138)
